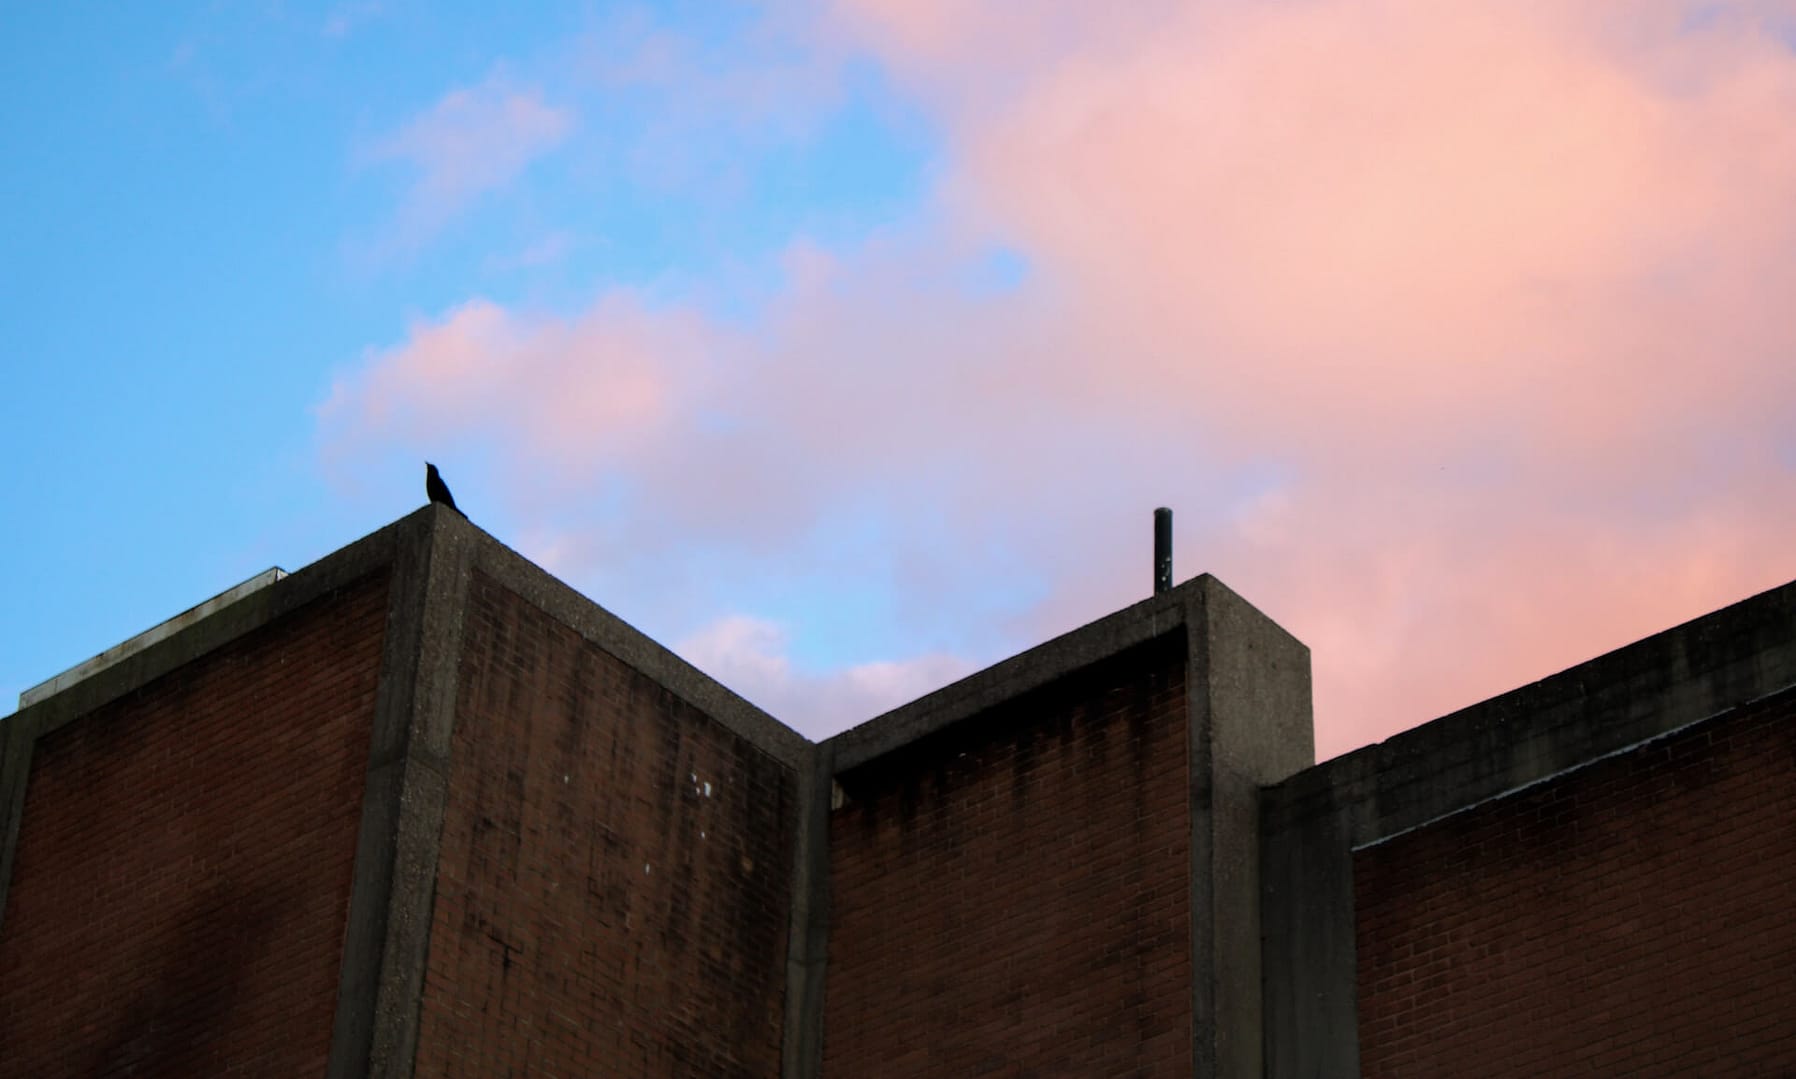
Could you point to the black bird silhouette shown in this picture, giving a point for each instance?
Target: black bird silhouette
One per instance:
(437, 489)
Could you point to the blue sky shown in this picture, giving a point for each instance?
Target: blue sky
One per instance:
(201, 224)
(846, 346)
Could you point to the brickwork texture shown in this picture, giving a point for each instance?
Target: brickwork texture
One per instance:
(1009, 895)
(612, 889)
(1634, 917)
(182, 874)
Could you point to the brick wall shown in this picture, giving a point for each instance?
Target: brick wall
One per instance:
(1632, 918)
(1009, 896)
(183, 865)
(613, 877)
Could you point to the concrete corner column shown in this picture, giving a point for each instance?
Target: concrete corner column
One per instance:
(1311, 1016)
(807, 941)
(1250, 725)
(386, 943)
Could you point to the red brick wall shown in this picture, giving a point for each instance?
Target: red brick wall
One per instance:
(1636, 917)
(1009, 896)
(612, 886)
(183, 865)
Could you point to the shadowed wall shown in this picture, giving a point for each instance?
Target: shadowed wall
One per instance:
(183, 865)
(1010, 895)
(1633, 917)
(611, 895)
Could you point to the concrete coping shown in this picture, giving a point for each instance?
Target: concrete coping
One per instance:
(275, 592)
(1007, 679)
(89, 667)
(642, 652)
(1619, 700)
(206, 627)
(224, 617)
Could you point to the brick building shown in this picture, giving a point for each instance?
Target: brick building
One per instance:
(419, 809)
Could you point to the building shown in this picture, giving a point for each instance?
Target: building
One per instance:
(419, 809)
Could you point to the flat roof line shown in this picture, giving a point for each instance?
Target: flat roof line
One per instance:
(90, 667)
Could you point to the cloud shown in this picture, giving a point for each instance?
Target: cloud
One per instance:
(1457, 334)
(572, 398)
(707, 104)
(472, 141)
(543, 251)
(750, 655)
(1498, 284)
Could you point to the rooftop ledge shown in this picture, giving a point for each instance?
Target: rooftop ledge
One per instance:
(124, 650)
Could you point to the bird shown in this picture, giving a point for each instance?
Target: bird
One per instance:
(437, 489)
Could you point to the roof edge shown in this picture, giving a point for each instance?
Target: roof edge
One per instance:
(1136, 624)
(168, 627)
(213, 624)
(1622, 698)
(605, 629)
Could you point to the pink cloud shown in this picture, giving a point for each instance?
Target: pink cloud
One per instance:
(751, 655)
(1378, 241)
(543, 251)
(472, 141)
(715, 106)
(572, 397)
(1458, 334)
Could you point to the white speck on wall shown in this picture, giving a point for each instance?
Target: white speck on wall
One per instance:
(707, 790)
(647, 868)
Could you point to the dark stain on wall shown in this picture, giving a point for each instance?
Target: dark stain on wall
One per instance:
(1009, 894)
(182, 875)
(1632, 916)
(626, 857)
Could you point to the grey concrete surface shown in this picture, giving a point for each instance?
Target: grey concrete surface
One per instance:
(387, 938)
(1251, 726)
(807, 943)
(167, 628)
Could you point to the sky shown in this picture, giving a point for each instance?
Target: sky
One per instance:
(846, 346)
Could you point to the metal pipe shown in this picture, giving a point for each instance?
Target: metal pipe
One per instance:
(1162, 550)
